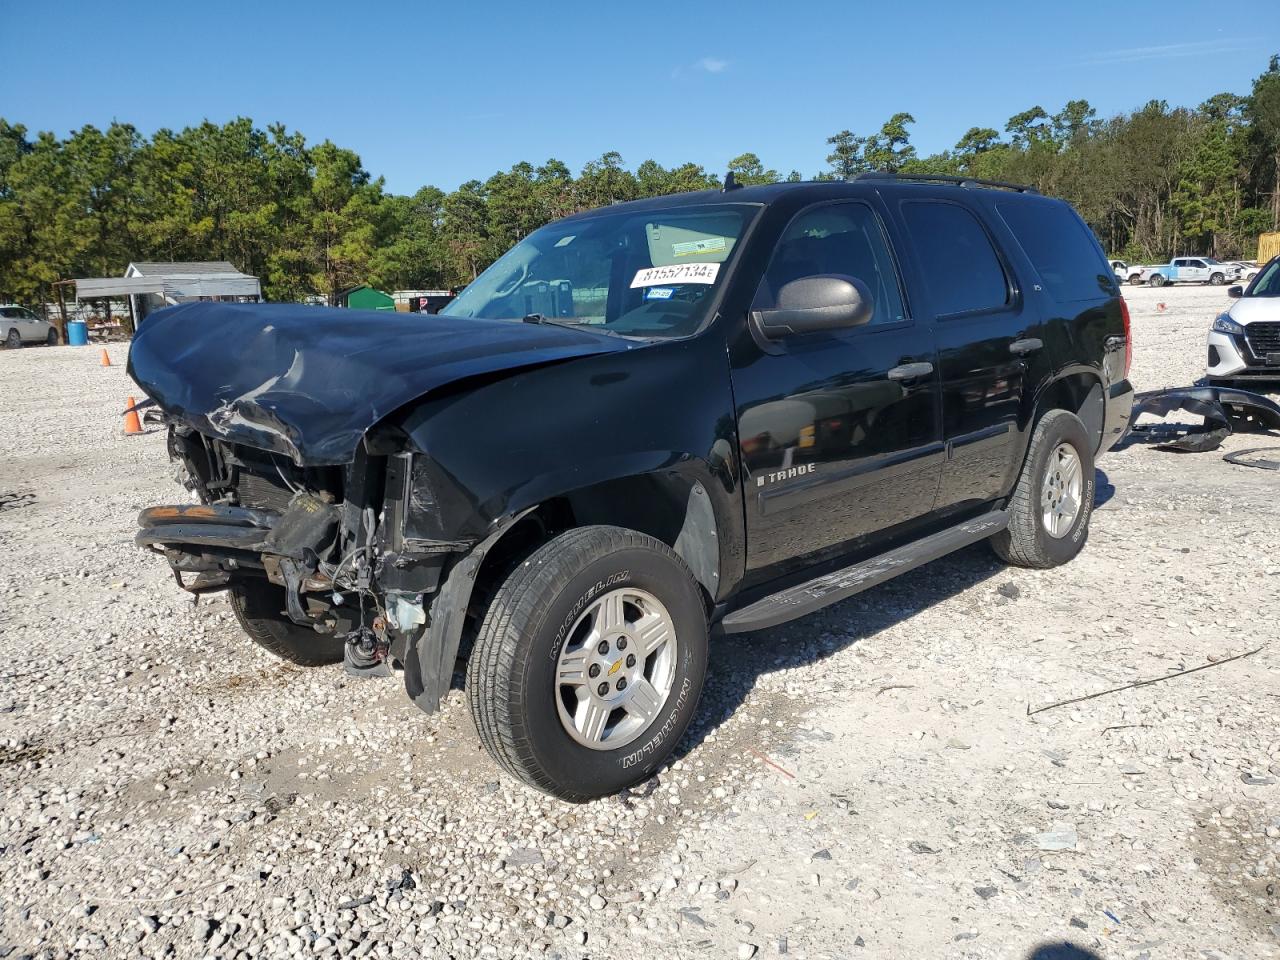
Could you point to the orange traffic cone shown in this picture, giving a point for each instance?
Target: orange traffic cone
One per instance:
(131, 424)
(106, 361)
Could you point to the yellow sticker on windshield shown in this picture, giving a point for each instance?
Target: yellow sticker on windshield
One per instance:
(676, 273)
(690, 248)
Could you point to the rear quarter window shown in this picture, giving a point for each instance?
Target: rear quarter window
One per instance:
(1061, 249)
(962, 269)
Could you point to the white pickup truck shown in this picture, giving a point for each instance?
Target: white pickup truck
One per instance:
(1192, 270)
(1127, 273)
(18, 325)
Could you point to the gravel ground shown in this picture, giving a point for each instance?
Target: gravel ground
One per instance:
(866, 782)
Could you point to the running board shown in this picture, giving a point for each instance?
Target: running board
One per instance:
(805, 598)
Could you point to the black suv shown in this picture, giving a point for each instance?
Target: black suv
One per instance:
(713, 411)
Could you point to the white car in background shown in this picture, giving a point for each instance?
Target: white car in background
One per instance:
(1244, 342)
(1247, 270)
(18, 325)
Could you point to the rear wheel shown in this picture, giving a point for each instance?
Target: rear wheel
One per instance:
(259, 606)
(52, 338)
(589, 663)
(1155, 280)
(14, 340)
(1051, 505)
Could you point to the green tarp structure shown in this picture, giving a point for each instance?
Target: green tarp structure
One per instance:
(364, 297)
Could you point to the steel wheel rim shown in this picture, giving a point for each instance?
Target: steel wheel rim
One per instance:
(623, 644)
(1060, 491)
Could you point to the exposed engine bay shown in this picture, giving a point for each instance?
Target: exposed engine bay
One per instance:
(337, 540)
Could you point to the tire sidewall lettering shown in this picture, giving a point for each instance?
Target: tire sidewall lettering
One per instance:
(597, 588)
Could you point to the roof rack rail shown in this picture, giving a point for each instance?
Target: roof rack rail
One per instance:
(969, 182)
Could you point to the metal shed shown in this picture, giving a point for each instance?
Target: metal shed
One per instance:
(149, 286)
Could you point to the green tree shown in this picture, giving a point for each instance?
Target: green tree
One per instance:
(891, 148)
(605, 181)
(1263, 112)
(749, 171)
(845, 158)
(344, 220)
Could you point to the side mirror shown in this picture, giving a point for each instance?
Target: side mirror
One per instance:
(1235, 293)
(811, 304)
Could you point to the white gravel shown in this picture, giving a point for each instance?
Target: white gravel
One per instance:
(866, 782)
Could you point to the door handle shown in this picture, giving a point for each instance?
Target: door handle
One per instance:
(911, 371)
(1022, 347)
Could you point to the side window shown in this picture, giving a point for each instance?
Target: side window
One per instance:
(960, 265)
(843, 238)
(1060, 247)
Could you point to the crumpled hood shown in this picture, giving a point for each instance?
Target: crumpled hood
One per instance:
(308, 382)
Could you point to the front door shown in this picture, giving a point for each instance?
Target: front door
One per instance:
(839, 431)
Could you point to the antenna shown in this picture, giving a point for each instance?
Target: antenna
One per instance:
(730, 183)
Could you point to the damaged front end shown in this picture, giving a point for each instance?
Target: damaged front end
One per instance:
(304, 481)
(333, 539)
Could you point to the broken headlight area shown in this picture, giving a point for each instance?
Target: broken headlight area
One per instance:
(349, 546)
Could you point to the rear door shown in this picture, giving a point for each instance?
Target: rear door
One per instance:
(36, 329)
(839, 431)
(987, 335)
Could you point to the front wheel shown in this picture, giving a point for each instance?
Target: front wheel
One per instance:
(588, 666)
(259, 606)
(1135, 280)
(1053, 500)
(1217, 280)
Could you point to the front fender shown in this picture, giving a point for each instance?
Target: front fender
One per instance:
(623, 439)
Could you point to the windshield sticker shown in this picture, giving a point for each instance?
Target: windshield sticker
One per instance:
(692, 247)
(677, 273)
(565, 241)
(659, 293)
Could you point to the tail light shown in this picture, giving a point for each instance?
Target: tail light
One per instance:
(1128, 338)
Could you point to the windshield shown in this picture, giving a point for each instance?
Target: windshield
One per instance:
(648, 274)
(1267, 283)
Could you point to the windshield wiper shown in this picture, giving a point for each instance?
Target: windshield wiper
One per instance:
(575, 323)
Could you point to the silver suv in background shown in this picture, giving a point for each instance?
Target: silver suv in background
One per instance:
(18, 325)
(1244, 342)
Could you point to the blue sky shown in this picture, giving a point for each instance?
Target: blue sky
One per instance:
(440, 93)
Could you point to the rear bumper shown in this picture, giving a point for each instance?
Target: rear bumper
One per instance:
(1115, 419)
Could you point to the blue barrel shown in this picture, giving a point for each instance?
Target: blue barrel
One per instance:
(77, 333)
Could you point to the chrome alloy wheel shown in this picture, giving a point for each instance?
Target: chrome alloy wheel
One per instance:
(1060, 491)
(616, 669)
